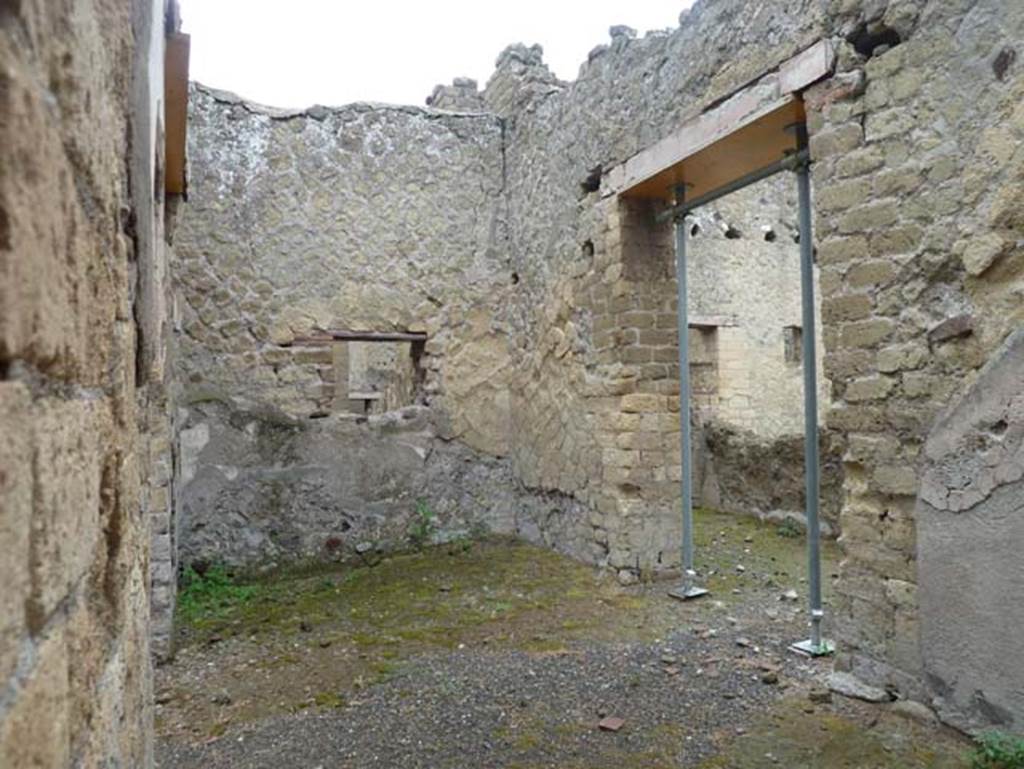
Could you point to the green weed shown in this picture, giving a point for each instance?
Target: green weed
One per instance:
(423, 525)
(789, 529)
(996, 750)
(211, 595)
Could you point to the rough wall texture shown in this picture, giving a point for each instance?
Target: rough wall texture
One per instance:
(744, 274)
(595, 308)
(918, 168)
(550, 302)
(407, 233)
(970, 516)
(364, 217)
(262, 488)
(74, 648)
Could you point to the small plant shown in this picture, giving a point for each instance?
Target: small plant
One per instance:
(997, 750)
(329, 700)
(423, 525)
(789, 529)
(460, 544)
(210, 594)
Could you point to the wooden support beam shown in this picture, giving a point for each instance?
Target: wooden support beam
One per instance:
(737, 136)
(358, 336)
(175, 112)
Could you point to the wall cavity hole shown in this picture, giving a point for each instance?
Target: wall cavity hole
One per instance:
(587, 248)
(732, 233)
(515, 278)
(629, 489)
(770, 236)
(5, 230)
(695, 230)
(1002, 63)
(999, 427)
(874, 39)
(592, 182)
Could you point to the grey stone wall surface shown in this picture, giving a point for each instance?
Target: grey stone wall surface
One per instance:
(917, 169)
(364, 217)
(263, 489)
(550, 303)
(595, 305)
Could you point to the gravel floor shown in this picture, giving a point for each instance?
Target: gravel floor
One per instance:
(477, 708)
(510, 657)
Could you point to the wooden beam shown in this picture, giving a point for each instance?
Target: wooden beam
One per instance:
(358, 336)
(737, 150)
(743, 133)
(176, 58)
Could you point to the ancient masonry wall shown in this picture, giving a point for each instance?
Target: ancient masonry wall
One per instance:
(370, 218)
(393, 219)
(365, 217)
(549, 303)
(916, 143)
(918, 169)
(81, 240)
(596, 303)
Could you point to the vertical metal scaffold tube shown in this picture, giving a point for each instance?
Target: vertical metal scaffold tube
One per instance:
(815, 645)
(688, 589)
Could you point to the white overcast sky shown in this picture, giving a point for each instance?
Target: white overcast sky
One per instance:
(294, 53)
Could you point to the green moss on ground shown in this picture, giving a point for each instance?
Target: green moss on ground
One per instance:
(345, 627)
(771, 556)
(793, 738)
(510, 592)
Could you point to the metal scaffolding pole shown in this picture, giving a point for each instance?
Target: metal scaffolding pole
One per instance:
(798, 161)
(815, 645)
(688, 589)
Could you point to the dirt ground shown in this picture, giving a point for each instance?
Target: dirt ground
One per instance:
(501, 654)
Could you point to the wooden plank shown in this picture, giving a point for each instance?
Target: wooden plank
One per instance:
(735, 137)
(807, 67)
(762, 140)
(712, 321)
(695, 135)
(176, 58)
(358, 336)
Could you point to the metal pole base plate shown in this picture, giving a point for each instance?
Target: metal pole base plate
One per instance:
(808, 648)
(687, 592)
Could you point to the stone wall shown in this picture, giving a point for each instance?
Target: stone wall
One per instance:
(262, 488)
(916, 143)
(81, 242)
(744, 275)
(365, 217)
(918, 169)
(595, 310)
(549, 302)
(970, 517)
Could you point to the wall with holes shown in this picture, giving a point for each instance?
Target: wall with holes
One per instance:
(917, 185)
(550, 306)
(359, 218)
(744, 279)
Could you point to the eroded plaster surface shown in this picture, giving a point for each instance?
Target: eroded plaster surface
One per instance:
(970, 528)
